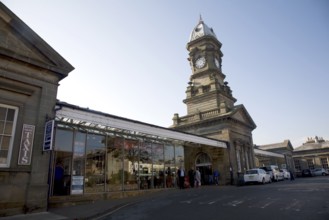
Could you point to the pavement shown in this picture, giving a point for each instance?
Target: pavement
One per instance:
(94, 210)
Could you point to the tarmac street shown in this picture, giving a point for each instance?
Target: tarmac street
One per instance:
(304, 198)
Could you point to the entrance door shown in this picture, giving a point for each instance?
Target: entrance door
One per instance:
(203, 163)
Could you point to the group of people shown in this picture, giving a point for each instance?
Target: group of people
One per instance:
(195, 178)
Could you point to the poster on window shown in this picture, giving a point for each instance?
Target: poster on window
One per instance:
(77, 185)
(25, 148)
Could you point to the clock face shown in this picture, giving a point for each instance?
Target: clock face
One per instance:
(217, 62)
(200, 62)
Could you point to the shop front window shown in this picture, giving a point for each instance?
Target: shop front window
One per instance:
(145, 165)
(179, 159)
(169, 163)
(131, 156)
(78, 171)
(179, 154)
(158, 165)
(8, 117)
(95, 163)
(63, 162)
(114, 169)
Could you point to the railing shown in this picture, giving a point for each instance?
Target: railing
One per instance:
(199, 116)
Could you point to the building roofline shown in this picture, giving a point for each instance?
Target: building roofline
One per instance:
(66, 110)
(267, 153)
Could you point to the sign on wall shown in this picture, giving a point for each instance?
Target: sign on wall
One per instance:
(48, 138)
(25, 149)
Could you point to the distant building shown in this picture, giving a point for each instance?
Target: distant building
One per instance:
(279, 154)
(314, 153)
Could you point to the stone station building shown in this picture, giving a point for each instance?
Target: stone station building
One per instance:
(96, 153)
(30, 71)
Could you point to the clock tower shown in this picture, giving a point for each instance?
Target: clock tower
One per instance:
(211, 110)
(207, 86)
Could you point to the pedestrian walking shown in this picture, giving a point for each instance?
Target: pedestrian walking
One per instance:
(210, 175)
(291, 175)
(216, 176)
(181, 177)
(191, 175)
(197, 178)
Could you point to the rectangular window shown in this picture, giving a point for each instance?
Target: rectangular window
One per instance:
(310, 164)
(324, 162)
(95, 163)
(8, 120)
(297, 165)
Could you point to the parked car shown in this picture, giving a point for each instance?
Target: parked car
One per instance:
(298, 173)
(307, 173)
(268, 170)
(256, 175)
(274, 172)
(286, 173)
(320, 172)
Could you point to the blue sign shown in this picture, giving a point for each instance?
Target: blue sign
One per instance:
(48, 139)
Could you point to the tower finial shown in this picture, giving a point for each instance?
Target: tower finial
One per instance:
(200, 21)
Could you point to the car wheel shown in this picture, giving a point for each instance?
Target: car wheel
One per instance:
(323, 174)
(263, 181)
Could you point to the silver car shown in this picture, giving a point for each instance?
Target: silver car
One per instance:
(320, 172)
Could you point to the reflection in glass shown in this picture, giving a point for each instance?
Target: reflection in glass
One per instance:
(169, 163)
(179, 158)
(114, 177)
(158, 165)
(95, 163)
(131, 164)
(145, 165)
(63, 140)
(63, 162)
(78, 171)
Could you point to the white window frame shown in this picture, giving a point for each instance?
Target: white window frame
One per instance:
(11, 142)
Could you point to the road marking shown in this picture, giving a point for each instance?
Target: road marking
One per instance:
(300, 189)
(263, 204)
(235, 203)
(186, 201)
(296, 205)
(267, 204)
(213, 201)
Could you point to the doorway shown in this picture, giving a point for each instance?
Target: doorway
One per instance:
(204, 164)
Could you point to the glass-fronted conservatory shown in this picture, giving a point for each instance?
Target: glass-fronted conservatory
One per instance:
(97, 152)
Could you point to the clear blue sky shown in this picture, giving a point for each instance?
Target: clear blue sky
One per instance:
(130, 57)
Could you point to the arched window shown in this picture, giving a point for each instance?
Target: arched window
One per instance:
(203, 160)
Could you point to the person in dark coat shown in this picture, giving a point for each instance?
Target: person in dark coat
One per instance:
(181, 176)
(191, 175)
(291, 175)
(216, 177)
(59, 179)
